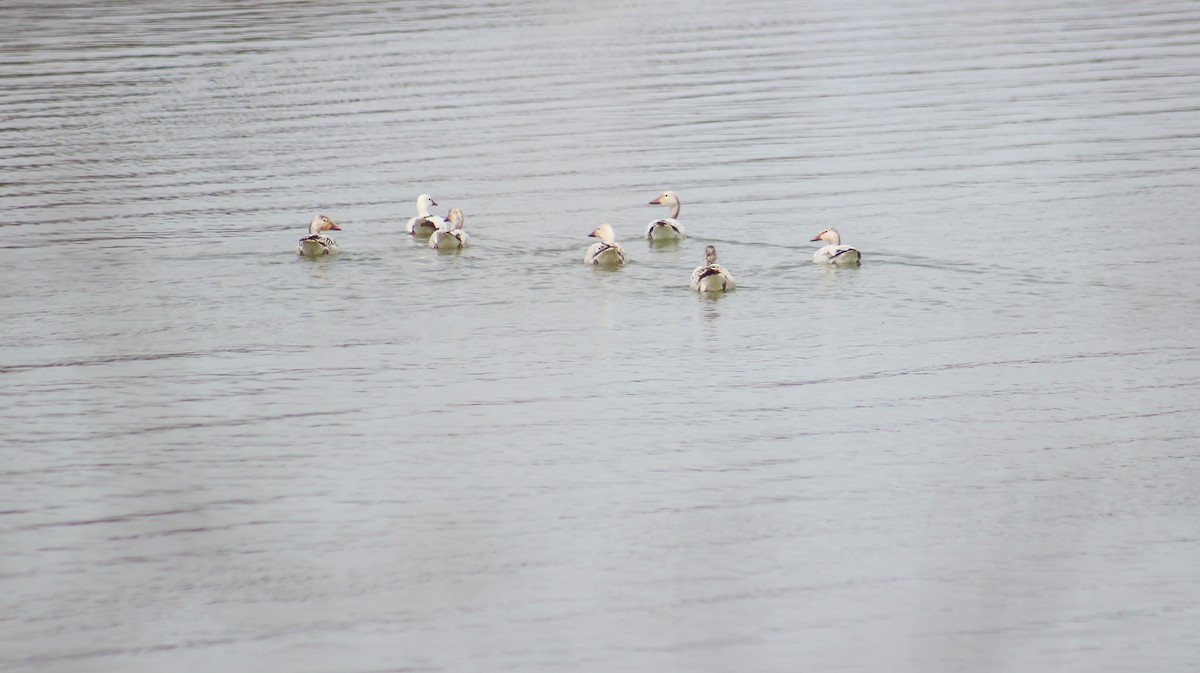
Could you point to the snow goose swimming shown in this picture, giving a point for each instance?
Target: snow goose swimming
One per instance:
(424, 224)
(711, 277)
(668, 228)
(835, 253)
(606, 251)
(317, 244)
(453, 238)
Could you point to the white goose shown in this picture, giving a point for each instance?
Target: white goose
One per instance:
(424, 224)
(453, 238)
(668, 228)
(835, 253)
(317, 244)
(711, 277)
(606, 251)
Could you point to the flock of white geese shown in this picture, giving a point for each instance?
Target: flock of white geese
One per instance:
(446, 234)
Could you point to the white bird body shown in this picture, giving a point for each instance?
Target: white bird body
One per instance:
(317, 244)
(454, 238)
(712, 277)
(606, 251)
(424, 224)
(835, 253)
(668, 228)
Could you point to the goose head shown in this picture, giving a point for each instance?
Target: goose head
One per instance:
(829, 235)
(321, 223)
(604, 232)
(710, 255)
(423, 203)
(455, 218)
(665, 199)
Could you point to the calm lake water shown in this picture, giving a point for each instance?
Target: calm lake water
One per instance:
(980, 451)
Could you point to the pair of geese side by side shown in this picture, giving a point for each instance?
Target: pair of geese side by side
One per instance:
(432, 227)
(607, 252)
(709, 277)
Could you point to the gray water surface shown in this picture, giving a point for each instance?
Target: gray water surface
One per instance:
(976, 452)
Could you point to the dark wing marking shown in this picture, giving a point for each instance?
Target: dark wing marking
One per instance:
(844, 251)
(604, 247)
(324, 242)
(664, 223)
(599, 249)
(423, 223)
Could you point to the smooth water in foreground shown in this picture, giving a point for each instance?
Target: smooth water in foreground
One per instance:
(976, 452)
